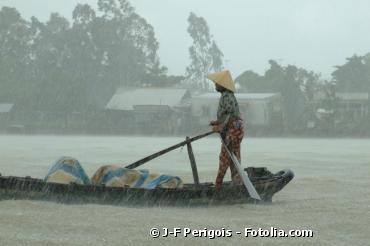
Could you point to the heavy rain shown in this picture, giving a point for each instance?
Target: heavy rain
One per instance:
(119, 119)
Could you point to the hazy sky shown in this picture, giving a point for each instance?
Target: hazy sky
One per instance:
(315, 34)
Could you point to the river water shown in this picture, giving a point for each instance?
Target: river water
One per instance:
(329, 195)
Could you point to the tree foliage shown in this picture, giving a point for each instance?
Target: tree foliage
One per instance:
(65, 66)
(204, 53)
(297, 87)
(354, 75)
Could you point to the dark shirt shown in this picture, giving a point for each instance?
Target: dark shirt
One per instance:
(228, 108)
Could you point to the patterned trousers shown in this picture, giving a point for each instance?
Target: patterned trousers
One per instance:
(232, 138)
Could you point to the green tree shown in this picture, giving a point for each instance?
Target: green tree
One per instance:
(14, 55)
(51, 53)
(354, 75)
(204, 53)
(293, 99)
(250, 81)
(129, 43)
(297, 87)
(62, 66)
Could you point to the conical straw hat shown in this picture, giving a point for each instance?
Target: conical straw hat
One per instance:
(224, 79)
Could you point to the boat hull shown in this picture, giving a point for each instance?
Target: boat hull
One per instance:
(203, 194)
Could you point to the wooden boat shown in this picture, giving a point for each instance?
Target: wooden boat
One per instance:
(266, 184)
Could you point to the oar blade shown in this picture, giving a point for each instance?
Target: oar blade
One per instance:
(246, 181)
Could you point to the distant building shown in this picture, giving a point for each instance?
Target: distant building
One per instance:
(257, 109)
(6, 107)
(149, 110)
(343, 111)
(352, 106)
(5, 115)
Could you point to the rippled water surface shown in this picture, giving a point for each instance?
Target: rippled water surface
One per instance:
(329, 195)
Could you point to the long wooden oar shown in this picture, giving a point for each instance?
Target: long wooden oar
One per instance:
(247, 183)
(162, 152)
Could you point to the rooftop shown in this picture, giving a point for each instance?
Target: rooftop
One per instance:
(6, 107)
(352, 95)
(127, 99)
(250, 96)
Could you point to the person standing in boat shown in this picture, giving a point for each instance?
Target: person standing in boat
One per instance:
(229, 124)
